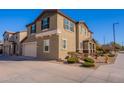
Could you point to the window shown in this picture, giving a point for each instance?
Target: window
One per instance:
(85, 46)
(45, 23)
(68, 25)
(33, 28)
(64, 44)
(82, 30)
(71, 26)
(93, 46)
(46, 45)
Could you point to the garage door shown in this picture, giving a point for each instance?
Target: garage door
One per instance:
(29, 49)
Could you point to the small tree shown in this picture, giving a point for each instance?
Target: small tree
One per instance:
(99, 49)
(106, 48)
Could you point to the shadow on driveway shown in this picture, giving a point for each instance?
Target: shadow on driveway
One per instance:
(19, 58)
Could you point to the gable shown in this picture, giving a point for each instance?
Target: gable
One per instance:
(44, 14)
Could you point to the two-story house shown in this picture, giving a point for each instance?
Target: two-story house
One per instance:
(12, 42)
(84, 40)
(52, 35)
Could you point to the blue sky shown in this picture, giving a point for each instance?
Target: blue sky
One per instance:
(99, 21)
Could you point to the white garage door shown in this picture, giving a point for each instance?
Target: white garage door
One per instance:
(29, 49)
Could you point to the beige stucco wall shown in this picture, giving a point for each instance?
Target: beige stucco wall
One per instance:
(69, 36)
(52, 25)
(22, 35)
(53, 22)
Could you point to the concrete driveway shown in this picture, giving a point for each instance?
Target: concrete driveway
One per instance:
(28, 71)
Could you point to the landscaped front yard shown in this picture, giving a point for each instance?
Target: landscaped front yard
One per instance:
(79, 60)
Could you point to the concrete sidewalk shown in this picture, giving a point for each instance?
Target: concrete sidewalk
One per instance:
(44, 72)
(113, 73)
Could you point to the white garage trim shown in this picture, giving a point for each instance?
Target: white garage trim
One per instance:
(29, 49)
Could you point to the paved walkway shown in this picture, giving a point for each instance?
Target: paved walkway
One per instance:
(50, 72)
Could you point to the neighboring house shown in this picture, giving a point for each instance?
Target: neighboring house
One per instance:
(7, 43)
(12, 42)
(84, 40)
(52, 35)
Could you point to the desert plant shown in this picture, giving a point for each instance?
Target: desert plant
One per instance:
(72, 60)
(89, 60)
(72, 54)
(88, 64)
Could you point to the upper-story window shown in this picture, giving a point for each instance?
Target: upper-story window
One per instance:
(33, 28)
(45, 23)
(71, 26)
(68, 25)
(82, 30)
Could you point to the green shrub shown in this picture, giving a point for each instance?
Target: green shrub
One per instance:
(72, 60)
(89, 60)
(88, 64)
